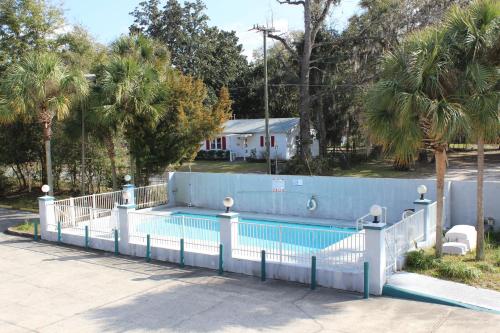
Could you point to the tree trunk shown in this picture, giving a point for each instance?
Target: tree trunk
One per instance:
(304, 106)
(479, 200)
(110, 146)
(440, 155)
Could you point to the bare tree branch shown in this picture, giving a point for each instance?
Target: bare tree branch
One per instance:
(320, 19)
(283, 41)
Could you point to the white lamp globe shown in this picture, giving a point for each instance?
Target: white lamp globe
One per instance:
(45, 188)
(375, 210)
(228, 202)
(422, 189)
(127, 178)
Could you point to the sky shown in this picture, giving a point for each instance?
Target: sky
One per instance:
(108, 19)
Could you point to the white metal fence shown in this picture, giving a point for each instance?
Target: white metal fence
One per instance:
(145, 197)
(403, 236)
(199, 234)
(150, 196)
(101, 223)
(294, 245)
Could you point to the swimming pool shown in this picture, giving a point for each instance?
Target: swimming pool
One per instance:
(255, 233)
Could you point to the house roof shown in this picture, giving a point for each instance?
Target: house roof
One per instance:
(252, 126)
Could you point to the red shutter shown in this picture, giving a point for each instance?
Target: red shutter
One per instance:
(223, 143)
(261, 141)
(207, 145)
(272, 140)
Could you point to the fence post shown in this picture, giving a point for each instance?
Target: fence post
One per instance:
(366, 284)
(375, 255)
(181, 259)
(35, 230)
(59, 232)
(148, 248)
(263, 265)
(313, 272)
(221, 260)
(424, 204)
(228, 235)
(123, 226)
(86, 236)
(47, 216)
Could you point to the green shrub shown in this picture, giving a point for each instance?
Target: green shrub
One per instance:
(486, 267)
(202, 155)
(220, 154)
(211, 155)
(458, 270)
(419, 260)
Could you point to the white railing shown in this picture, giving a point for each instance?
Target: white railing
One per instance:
(433, 216)
(145, 197)
(199, 234)
(403, 236)
(101, 223)
(150, 196)
(108, 200)
(294, 245)
(368, 218)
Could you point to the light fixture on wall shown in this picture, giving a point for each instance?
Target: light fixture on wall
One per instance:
(422, 189)
(375, 211)
(45, 189)
(228, 203)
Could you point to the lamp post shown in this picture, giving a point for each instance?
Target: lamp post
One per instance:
(422, 189)
(375, 211)
(228, 203)
(127, 178)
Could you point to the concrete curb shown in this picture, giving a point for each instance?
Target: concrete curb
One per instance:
(402, 293)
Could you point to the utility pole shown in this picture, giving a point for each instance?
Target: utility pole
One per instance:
(91, 78)
(265, 31)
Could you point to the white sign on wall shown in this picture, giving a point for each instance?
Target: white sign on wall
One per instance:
(278, 185)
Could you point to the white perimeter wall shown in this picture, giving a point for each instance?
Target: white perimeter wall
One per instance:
(344, 198)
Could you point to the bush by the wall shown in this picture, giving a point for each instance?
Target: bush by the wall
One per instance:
(213, 155)
(419, 260)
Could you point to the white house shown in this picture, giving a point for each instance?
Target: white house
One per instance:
(245, 138)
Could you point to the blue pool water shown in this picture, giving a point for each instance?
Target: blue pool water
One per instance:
(264, 234)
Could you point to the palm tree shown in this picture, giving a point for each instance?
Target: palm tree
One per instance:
(41, 87)
(411, 107)
(473, 35)
(132, 89)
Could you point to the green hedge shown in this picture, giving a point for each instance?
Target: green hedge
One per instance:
(213, 155)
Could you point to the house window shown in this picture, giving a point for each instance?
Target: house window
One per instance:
(272, 140)
(217, 144)
(262, 141)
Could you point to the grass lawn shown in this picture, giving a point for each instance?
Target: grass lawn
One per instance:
(225, 166)
(27, 227)
(464, 269)
(379, 169)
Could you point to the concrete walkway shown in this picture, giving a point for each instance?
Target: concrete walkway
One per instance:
(456, 292)
(50, 288)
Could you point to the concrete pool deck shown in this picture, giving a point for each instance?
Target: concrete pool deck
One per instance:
(165, 210)
(50, 288)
